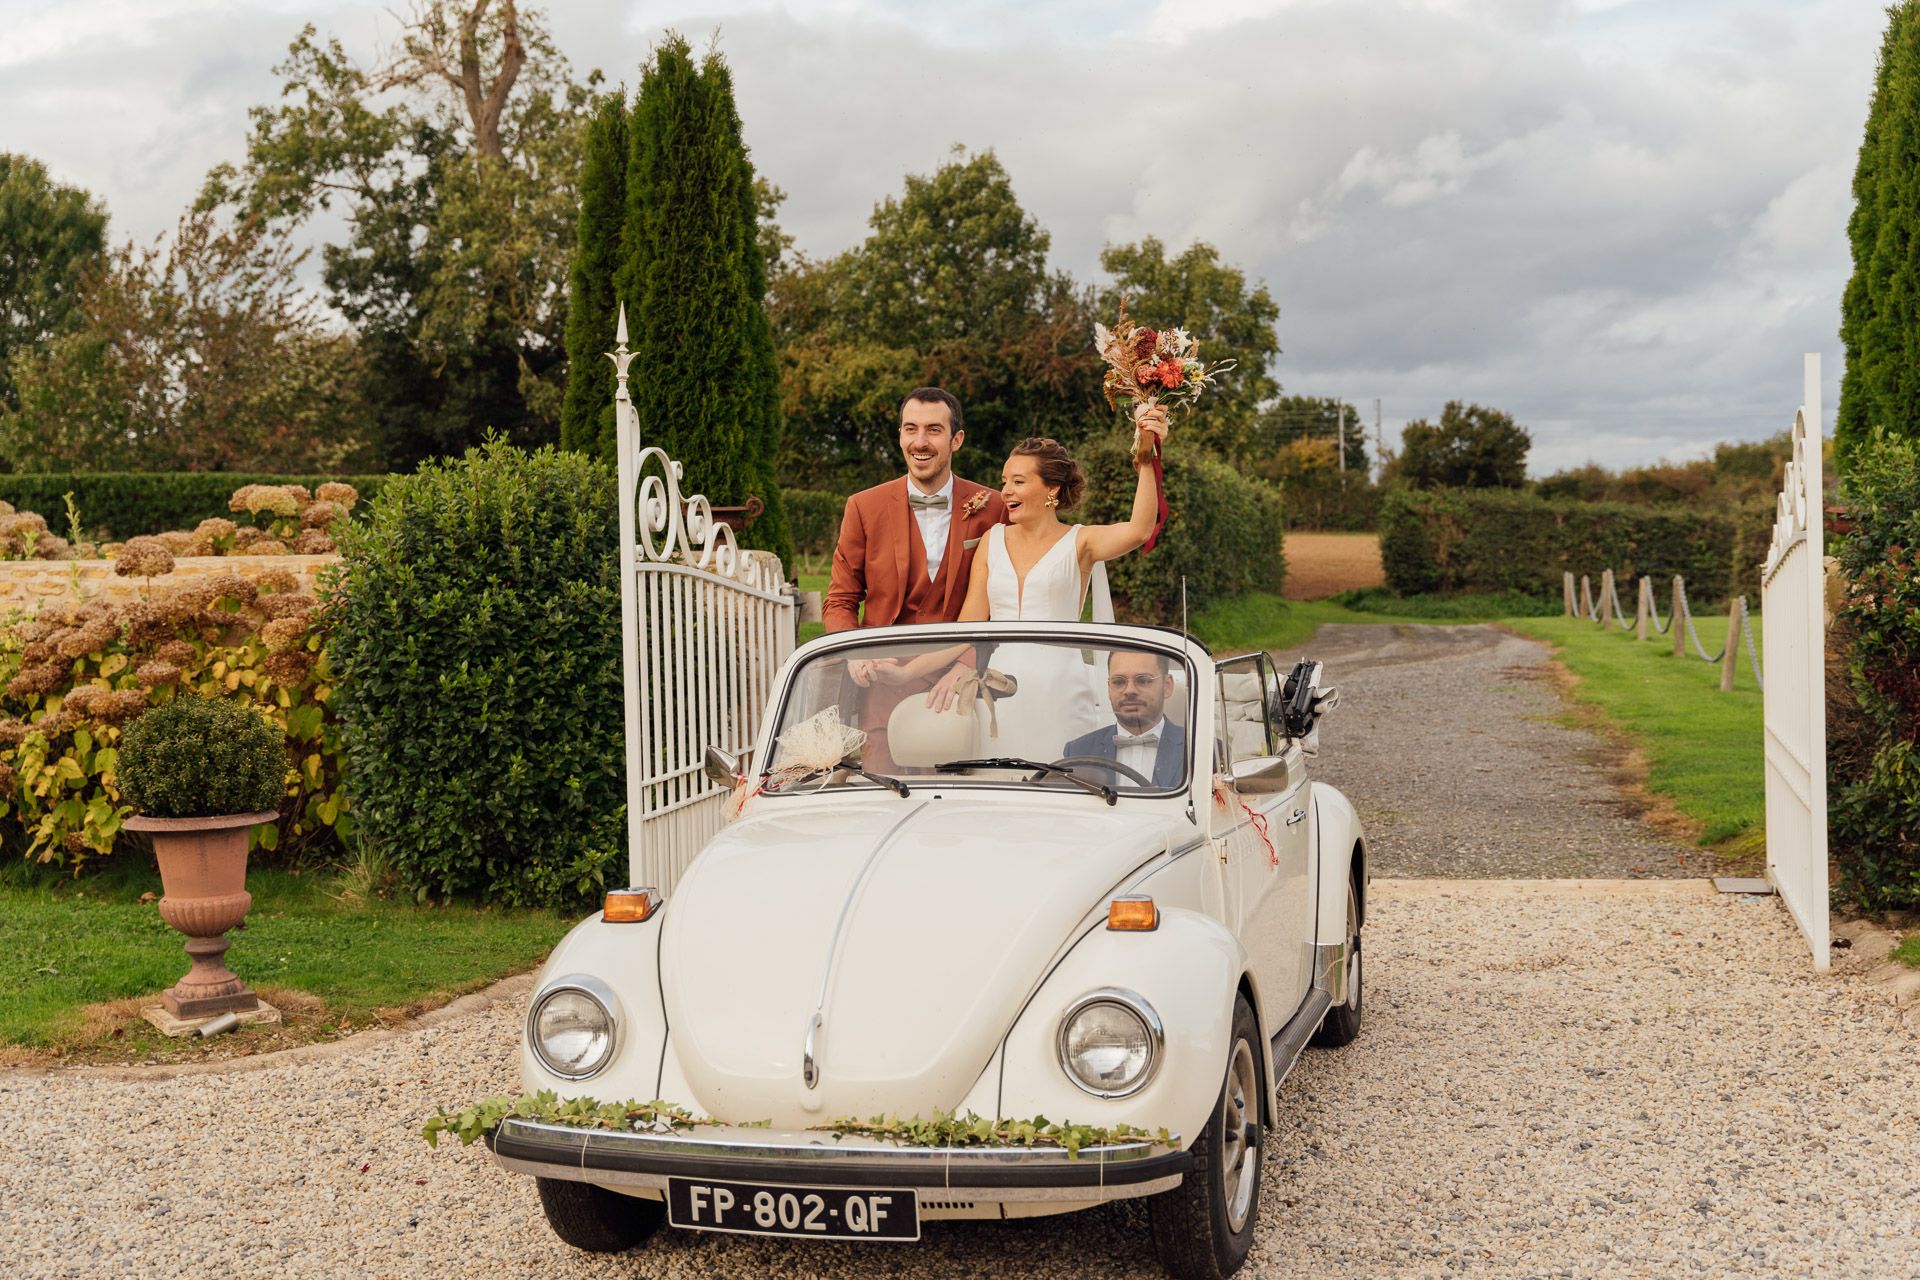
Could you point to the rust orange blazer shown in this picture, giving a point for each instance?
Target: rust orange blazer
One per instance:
(870, 560)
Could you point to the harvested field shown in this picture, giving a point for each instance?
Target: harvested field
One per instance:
(1325, 564)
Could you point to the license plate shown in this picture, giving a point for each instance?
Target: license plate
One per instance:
(816, 1213)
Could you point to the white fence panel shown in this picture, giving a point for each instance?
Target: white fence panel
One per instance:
(1793, 621)
(704, 629)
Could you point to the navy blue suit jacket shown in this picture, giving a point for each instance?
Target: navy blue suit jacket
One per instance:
(1168, 761)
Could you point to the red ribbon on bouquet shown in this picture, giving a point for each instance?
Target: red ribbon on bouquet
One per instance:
(1160, 495)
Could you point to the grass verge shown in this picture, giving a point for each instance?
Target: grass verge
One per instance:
(1701, 749)
(1908, 952)
(78, 959)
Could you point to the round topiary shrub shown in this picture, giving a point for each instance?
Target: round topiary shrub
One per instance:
(199, 757)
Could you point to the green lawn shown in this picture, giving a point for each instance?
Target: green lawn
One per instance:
(68, 944)
(1703, 747)
(1908, 952)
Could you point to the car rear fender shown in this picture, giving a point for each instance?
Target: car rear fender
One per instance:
(1337, 835)
(1188, 970)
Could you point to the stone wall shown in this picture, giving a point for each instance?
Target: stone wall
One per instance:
(27, 584)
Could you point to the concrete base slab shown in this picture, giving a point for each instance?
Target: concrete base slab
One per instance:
(1742, 884)
(168, 1025)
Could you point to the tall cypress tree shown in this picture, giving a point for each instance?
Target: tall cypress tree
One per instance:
(705, 381)
(1880, 312)
(586, 416)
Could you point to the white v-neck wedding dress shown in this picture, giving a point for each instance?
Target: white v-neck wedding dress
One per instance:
(1062, 693)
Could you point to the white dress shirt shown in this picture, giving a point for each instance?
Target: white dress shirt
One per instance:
(934, 523)
(1138, 756)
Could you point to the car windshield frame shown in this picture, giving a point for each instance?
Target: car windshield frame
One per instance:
(1172, 645)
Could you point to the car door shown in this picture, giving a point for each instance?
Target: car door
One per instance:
(1267, 845)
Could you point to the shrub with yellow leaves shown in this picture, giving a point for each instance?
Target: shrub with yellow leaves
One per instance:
(72, 678)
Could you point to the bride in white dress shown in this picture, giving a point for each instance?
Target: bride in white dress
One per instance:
(1037, 569)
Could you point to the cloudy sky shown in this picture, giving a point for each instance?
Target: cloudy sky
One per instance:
(1622, 221)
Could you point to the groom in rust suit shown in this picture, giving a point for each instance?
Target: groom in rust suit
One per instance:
(906, 548)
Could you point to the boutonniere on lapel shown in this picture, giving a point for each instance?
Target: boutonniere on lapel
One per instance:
(976, 504)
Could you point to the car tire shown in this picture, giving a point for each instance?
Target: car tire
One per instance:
(1342, 1022)
(596, 1219)
(1194, 1225)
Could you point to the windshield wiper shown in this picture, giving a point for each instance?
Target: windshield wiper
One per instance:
(1015, 762)
(894, 785)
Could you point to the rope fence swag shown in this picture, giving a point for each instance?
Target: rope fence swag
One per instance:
(1603, 606)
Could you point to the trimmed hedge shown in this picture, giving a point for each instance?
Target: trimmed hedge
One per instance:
(476, 631)
(126, 504)
(813, 517)
(1223, 533)
(1451, 540)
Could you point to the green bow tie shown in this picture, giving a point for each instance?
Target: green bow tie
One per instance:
(926, 499)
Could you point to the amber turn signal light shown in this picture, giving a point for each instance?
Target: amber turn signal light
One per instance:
(629, 906)
(1134, 913)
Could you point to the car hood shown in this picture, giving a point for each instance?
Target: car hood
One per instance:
(914, 928)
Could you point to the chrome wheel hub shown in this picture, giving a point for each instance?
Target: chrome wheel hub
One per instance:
(1240, 1148)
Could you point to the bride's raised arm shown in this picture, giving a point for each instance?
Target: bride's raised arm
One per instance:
(1111, 541)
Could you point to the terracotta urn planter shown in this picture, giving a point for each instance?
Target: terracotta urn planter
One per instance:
(203, 870)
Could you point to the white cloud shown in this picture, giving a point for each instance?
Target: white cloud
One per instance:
(1622, 222)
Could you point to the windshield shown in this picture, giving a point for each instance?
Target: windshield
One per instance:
(1111, 715)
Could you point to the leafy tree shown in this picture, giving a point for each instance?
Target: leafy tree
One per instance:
(1210, 300)
(455, 164)
(950, 289)
(1472, 447)
(1292, 418)
(194, 355)
(1880, 311)
(586, 419)
(707, 387)
(49, 235)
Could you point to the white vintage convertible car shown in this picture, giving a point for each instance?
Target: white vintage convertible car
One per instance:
(1015, 908)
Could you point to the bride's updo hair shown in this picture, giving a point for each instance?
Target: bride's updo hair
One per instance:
(1057, 468)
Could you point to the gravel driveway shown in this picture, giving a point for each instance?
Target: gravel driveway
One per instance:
(1448, 742)
(1556, 1077)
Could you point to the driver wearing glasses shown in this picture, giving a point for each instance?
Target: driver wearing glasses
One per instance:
(1144, 740)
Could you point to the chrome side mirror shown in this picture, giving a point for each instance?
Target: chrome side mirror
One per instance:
(1262, 775)
(720, 767)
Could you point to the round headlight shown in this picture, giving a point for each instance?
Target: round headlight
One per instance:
(571, 1027)
(1110, 1043)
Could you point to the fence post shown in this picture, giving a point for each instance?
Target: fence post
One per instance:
(1586, 598)
(1642, 608)
(1606, 598)
(1566, 590)
(1733, 646)
(1678, 625)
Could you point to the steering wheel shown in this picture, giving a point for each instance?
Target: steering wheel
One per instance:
(1103, 762)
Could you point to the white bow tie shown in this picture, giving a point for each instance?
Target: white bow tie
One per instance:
(1144, 740)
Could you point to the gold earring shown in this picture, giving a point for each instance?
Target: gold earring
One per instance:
(1053, 499)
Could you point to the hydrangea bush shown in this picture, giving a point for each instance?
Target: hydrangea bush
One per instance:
(72, 678)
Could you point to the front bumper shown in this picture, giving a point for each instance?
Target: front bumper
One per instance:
(803, 1158)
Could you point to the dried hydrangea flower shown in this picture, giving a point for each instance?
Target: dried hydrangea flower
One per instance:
(52, 546)
(38, 651)
(174, 540)
(8, 782)
(313, 542)
(283, 635)
(179, 652)
(215, 527)
(321, 514)
(280, 606)
(82, 696)
(277, 580)
(299, 492)
(144, 558)
(6, 508)
(334, 491)
(120, 706)
(33, 629)
(13, 732)
(232, 586)
(157, 672)
(271, 498)
(36, 680)
(290, 667)
(241, 497)
(266, 547)
(246, 535)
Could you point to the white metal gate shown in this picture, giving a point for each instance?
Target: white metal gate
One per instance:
(1793, 622)
(704, 628)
